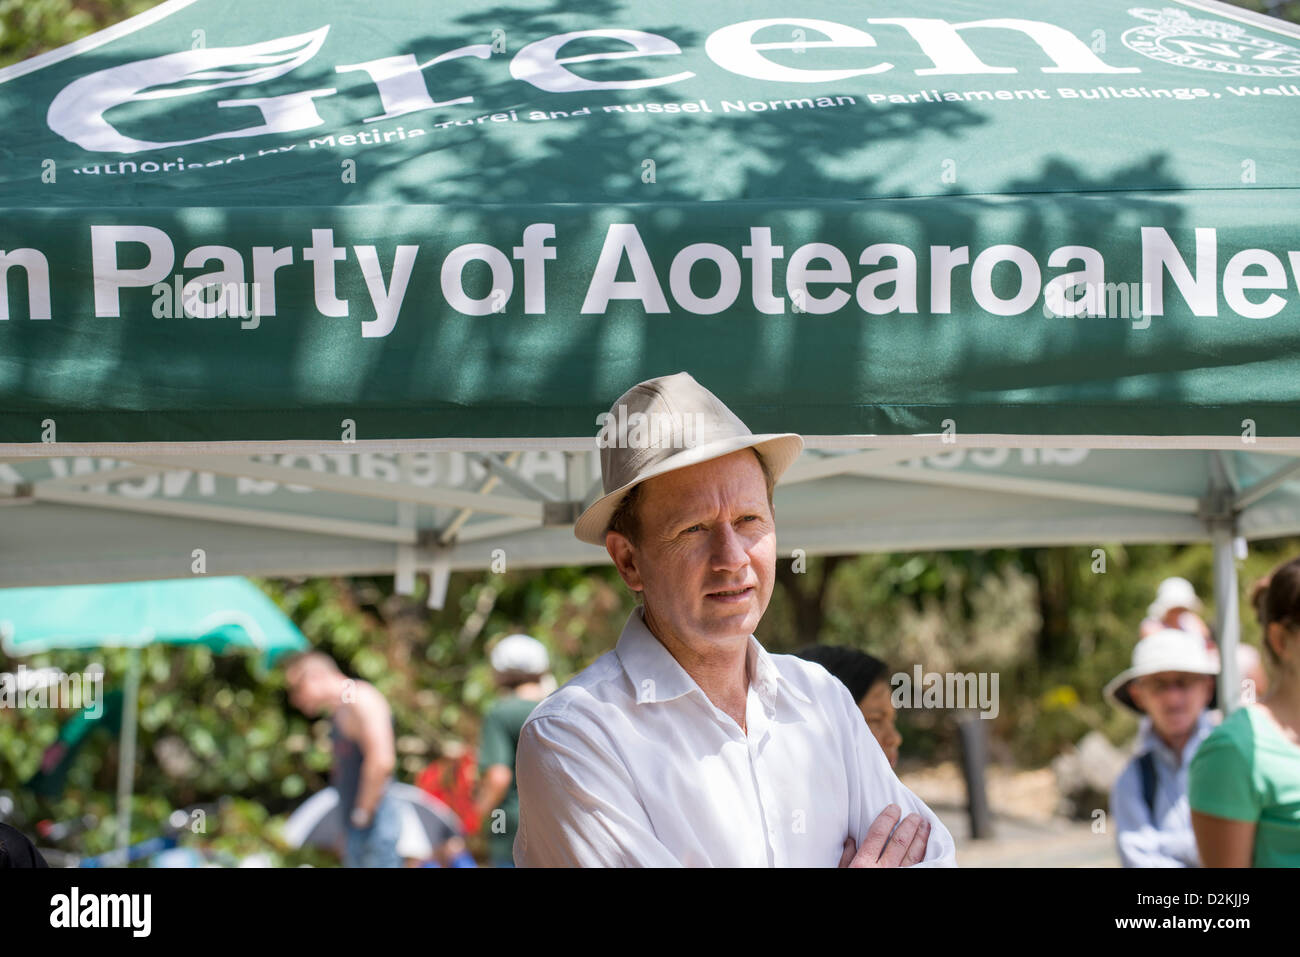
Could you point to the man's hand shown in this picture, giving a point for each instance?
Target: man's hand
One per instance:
(361, 818)
(905, 848)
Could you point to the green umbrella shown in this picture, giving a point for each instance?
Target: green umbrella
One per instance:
(219, 613)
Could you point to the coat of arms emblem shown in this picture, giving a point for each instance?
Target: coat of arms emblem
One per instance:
(1174, 37)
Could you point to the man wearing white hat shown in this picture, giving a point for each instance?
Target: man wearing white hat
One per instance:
(689, 744)
(1176, 606)
(1171, 686)
(521, 667)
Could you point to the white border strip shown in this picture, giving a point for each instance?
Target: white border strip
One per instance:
(98, 39)
(1254, 18)
(928, 443)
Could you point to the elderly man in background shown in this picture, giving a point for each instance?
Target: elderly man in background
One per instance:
(1170, 686)
(689, 744)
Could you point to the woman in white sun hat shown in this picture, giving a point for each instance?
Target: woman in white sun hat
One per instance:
(1170, 685)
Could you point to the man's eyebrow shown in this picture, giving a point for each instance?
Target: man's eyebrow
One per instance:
(686, 519)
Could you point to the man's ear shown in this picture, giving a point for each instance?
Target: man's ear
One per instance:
(623, 552)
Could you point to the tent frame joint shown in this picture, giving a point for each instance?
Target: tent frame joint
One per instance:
(1219, 509)
(561, 513)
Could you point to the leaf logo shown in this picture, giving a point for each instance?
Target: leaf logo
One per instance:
(77, 113)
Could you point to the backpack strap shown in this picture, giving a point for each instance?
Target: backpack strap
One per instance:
(1147, 767)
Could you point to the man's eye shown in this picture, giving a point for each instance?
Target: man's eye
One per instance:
(694, 528)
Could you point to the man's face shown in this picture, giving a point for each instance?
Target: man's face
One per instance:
(706, 555)
(1173, 699)
(309, 687)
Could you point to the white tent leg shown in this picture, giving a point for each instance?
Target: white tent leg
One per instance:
(1228, 619)
(126, 758)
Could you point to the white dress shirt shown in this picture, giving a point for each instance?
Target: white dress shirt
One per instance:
(630, 764)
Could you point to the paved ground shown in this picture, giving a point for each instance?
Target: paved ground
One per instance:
(1019, 842)
(1027, 830)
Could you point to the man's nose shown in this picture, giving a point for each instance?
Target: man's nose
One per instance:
(728, 548)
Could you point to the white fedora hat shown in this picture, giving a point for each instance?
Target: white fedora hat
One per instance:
(664, 424)
(1170, 649)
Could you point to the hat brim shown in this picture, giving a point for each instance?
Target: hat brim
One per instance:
(779, 450)
(1119, 691)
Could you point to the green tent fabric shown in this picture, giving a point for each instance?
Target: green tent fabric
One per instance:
(470, 224)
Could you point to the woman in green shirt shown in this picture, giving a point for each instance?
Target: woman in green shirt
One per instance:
(1244, 782)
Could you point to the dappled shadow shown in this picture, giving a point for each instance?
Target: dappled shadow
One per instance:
(853, 173)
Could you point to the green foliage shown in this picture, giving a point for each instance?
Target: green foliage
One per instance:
(218, 728)
(1284, 9)
(29, 27)
(1051, 623)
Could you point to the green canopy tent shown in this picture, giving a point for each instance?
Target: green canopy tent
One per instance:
(307, 288)
(218, 613)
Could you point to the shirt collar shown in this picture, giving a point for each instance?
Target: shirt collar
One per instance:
(657, 676)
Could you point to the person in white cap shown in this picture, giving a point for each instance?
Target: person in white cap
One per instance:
(521, 667)
(1171, 686)
(689, 744)
(1176, 606)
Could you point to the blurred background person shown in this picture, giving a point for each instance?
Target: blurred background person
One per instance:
(1245, 779)
(521, 667)
(1170, 685)
(1176, 606)
(867, 679)
(364, 754)
(1252, 663)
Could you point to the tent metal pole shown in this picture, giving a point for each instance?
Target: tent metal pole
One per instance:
(1227, 618)
(1220, 514)
(126, 757)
